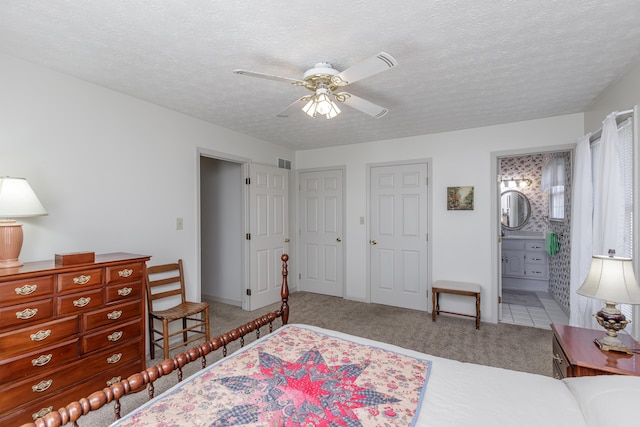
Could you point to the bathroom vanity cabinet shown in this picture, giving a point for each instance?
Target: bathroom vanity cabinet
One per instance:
(525, 264)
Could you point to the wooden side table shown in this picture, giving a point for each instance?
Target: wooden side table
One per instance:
(576, 355)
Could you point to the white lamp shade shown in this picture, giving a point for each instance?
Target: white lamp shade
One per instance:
(611, 279)
(18, 200)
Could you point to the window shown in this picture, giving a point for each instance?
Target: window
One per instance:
(553, 177)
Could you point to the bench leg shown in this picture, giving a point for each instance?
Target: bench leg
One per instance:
(478, 310)
(435, 306)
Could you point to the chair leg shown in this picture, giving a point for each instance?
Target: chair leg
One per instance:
(165, 337)
(152, 347)
(206, 324)
(184, 327)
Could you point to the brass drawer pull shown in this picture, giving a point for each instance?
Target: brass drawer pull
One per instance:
(115, 336)
(113, 380)
(27, 313)
(124, 291)
(42, 360)
(114, 315)
(40, 335)
(26, 289)
(115, 358)
(42, 412)
(125, 273)
(42, 386)
(82, 302)
(81, 280)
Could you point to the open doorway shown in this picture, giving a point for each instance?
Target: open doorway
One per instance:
(534, 272)
(221, 227)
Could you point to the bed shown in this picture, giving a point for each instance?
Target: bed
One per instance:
(304, 375)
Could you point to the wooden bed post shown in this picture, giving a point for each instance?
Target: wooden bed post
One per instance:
(284, 292)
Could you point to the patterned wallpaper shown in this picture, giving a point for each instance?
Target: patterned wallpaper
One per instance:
(530, 167)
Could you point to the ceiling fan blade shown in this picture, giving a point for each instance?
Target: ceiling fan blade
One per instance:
(295, 105)
(269, 77)
(373, 65)
(362, 104)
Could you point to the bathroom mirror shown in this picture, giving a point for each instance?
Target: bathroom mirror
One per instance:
(515, 210)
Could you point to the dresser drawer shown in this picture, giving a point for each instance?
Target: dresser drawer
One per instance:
(561, 364)
(124, 273)
(29, 364)
(29, 289)
(28, 412)
(112, 315)
(535, 258)
(110, 337)
(48, 383)
(534, 246)
(81, 301)
(79, 279)
(536, 271)
(122, 292)
(39, 335)
(25, 313)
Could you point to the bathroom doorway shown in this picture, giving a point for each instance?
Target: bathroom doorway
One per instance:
(534, 258)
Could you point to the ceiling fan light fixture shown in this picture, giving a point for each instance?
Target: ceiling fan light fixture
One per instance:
(321, 103)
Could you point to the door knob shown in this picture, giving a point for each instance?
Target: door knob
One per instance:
(286, 240)
(338, 239)
(373, 242)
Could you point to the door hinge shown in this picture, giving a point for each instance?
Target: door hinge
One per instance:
(499, 300)
(426, 180)
(247, 181)
(248, 292)
(427, 237)
(299, 276)
(247, 236)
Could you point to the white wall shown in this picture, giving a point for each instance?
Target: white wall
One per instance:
(461, 241)
(113, 172)
(622, 95)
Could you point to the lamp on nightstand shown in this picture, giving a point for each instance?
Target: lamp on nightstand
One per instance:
(17, 200)
(612, 280)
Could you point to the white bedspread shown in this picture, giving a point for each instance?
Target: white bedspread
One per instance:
(467, 395)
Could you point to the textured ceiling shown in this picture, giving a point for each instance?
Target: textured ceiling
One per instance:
(461, 64)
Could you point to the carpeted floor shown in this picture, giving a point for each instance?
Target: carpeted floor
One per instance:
(502, 345)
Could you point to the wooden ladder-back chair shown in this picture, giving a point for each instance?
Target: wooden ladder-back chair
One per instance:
(165, 282)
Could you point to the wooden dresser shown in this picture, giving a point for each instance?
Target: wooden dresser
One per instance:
(576, 355)
(67, 331)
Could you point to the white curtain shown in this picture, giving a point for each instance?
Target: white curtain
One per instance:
(598, 217)
(581, 234)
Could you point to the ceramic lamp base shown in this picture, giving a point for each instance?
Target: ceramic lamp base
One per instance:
(10, 243)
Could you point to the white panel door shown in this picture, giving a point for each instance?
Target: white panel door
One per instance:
(321, 240)
(398, 235)
(269, 230)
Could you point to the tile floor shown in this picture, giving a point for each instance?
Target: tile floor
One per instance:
(535, 316)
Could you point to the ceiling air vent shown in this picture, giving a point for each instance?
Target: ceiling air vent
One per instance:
(284, 164)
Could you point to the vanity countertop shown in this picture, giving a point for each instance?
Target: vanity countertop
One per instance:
(523, 237)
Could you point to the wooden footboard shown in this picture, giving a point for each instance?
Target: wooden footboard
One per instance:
(137, 382)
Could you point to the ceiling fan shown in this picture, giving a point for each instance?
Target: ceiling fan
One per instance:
(326, 83)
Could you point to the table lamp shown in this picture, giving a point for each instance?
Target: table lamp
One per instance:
(17, 200)
(612, 280)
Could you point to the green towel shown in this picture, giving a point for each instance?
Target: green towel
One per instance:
(551, 244)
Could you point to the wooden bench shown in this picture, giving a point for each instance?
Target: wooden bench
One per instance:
(457, 288)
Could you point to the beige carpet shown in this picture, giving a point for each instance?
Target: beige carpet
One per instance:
(503, 345)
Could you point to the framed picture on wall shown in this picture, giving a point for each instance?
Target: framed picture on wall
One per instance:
(460, 198)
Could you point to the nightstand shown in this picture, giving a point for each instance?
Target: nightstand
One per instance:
(576, 355)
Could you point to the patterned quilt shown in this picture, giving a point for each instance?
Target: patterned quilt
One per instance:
(295, 377)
